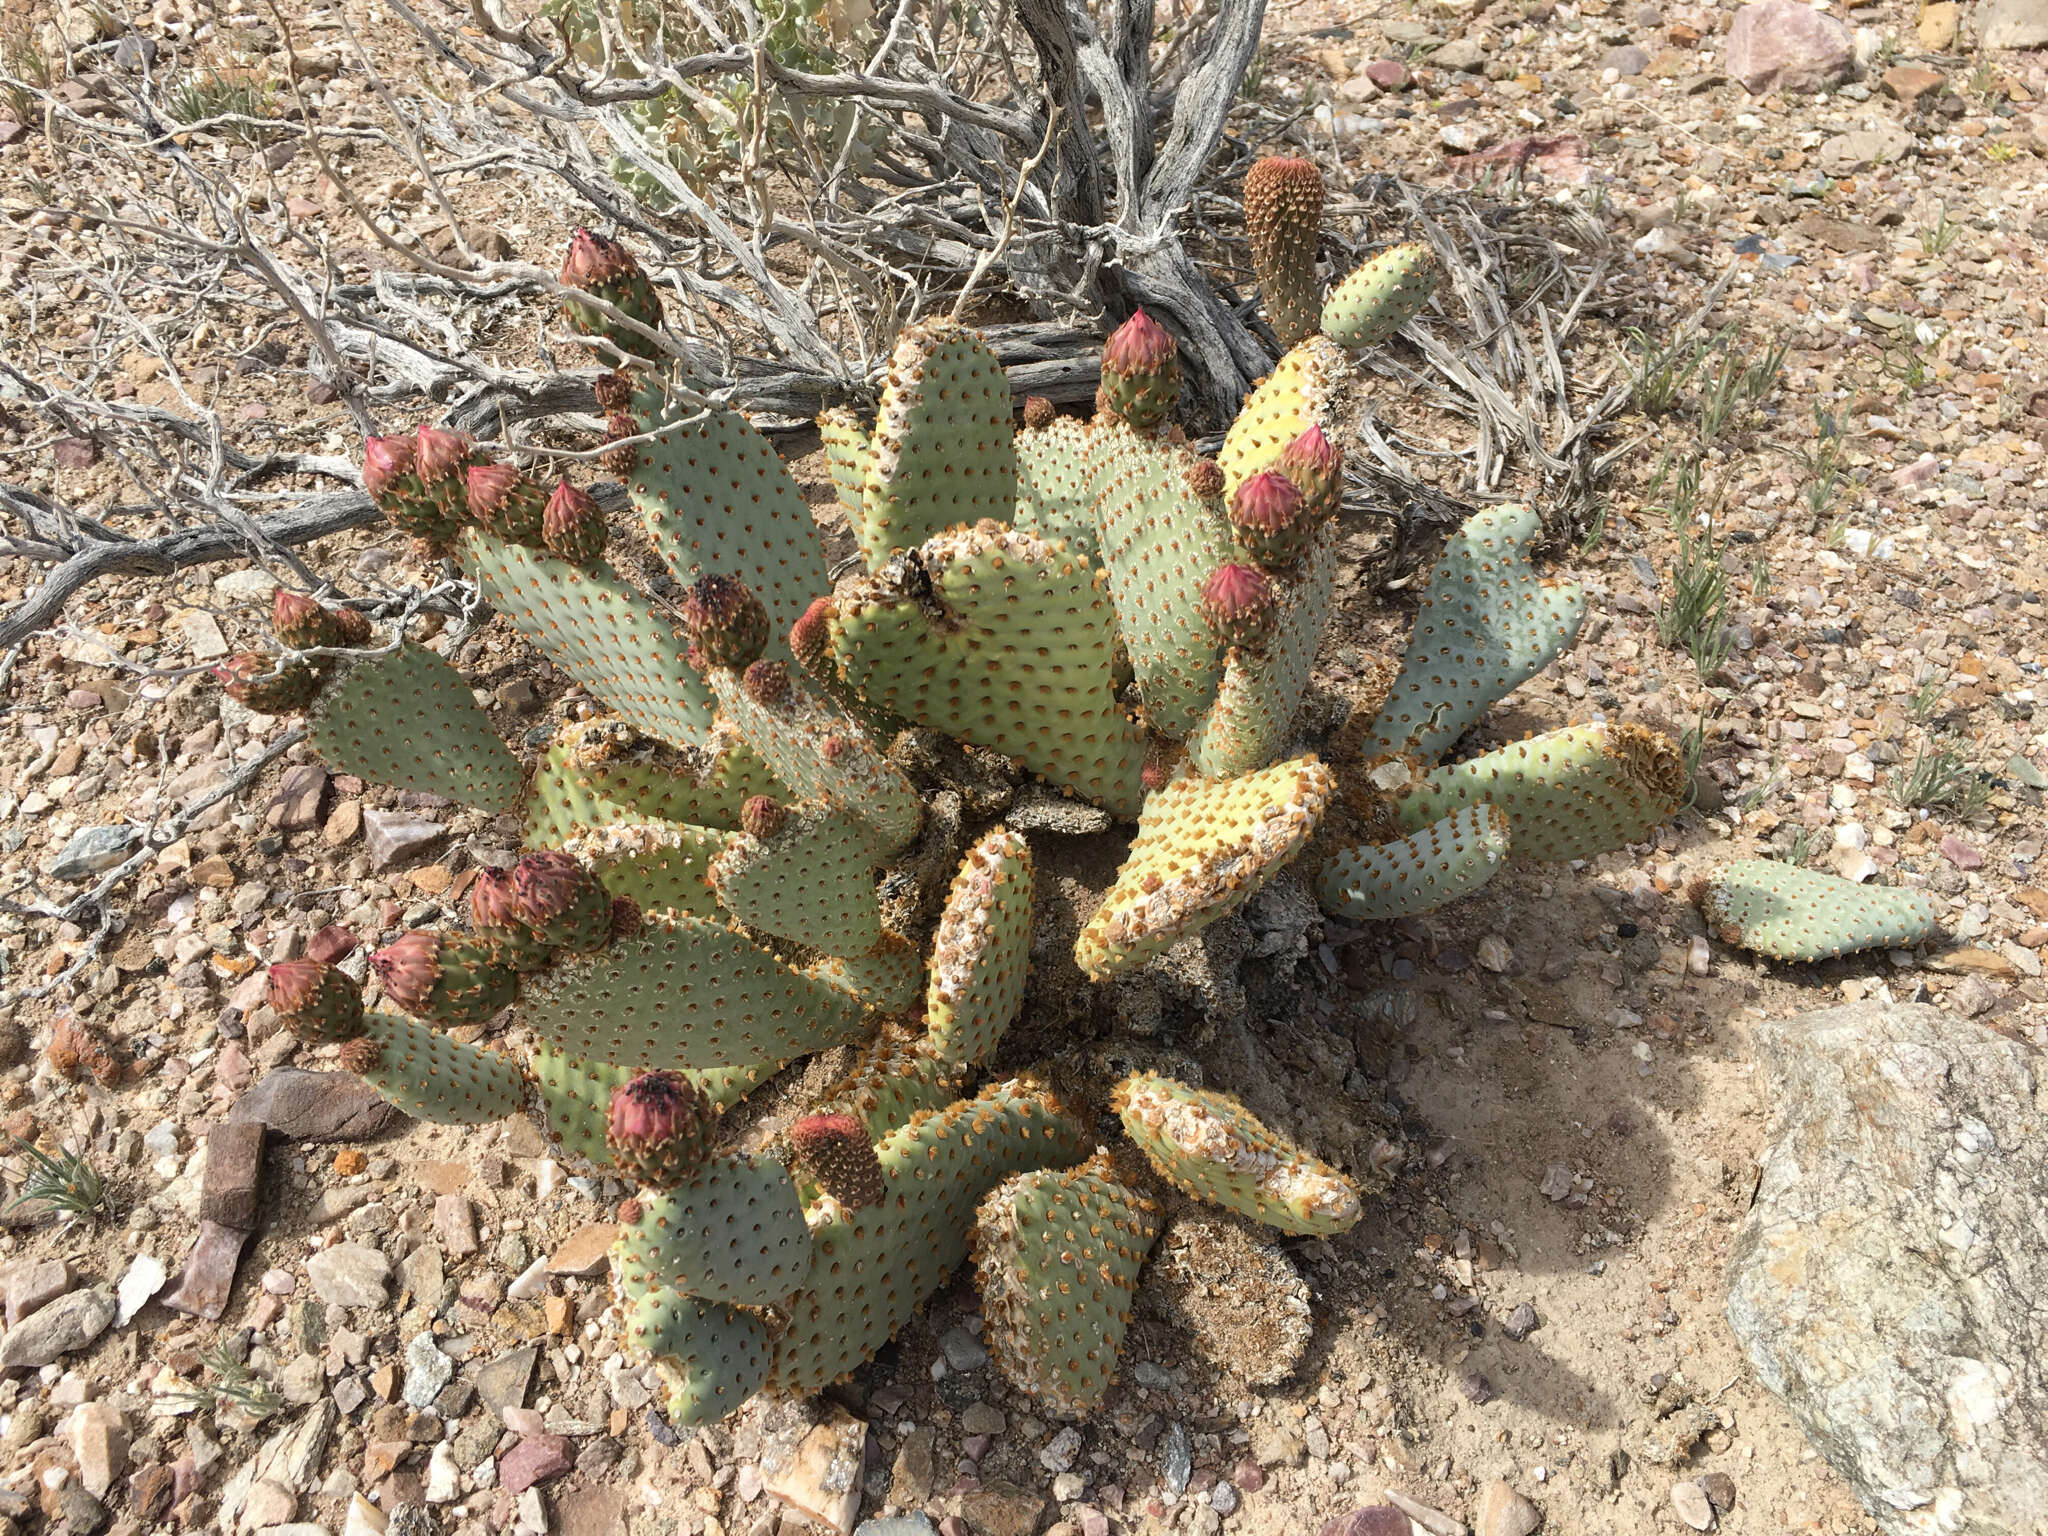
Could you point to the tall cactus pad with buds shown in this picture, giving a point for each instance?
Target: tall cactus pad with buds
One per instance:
(1211, 1147)
(716, 499)
(1204, 847)
(573, 1097)
(732, 1230)
(982, 950)
(685, 992)
(1568, 794)
(606, 270)
(432, 1077)
(832, 1150)
(600, 629)
(1057, 1258)
(875, 1266)
(1283, 219)
(1430, 869)
(1300, 393)
(942, 450)
(1381, 296)
(1488, 624)
(1008, 606)
(409, 719)
(1798, 914)
(660, 866)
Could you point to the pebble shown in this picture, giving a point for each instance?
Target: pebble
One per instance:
(1059, 1452)
(1690, 1500)
(1521, 1322)
(1504, 1512)
(1177, 1460)
(427, 1371)
(144, 1277)
(963, 1351)
(535, 1459)
(93, 851)
(396, 835)
(350, 1275)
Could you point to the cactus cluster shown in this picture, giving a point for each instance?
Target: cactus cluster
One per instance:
(723, 867)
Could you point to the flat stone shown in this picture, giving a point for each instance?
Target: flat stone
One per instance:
(202, 634)
(505, 1382)
(963, 1351)
(1373, 1520)
(2012, 24)
(455, 1225)
(234, 1174)
(1786, 45)
(296, 805)
(140, 1282)
(427, 1371)
(1002, 1509)
(1627, 60)
(1387, 74)
(33, 1285)
(1886, 1283)
(350, 1275)
(343, 823)
(912, 1476)
(1467, 55)
(897, 1525)
(66, 1325)
(269, 1503)
(93, 851)
(586, 1252)
(1693, 1507)
(1847, 153)
(250, 585)
(208, 1277)
(593, 1512)
(1504, 1512)
(1937, 26)
(396, 835)
(99, 1439)
(534, 1460)
(1907, 84)
(821, 1480)
(316, 1106)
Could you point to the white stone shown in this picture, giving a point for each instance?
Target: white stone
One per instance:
(144, 1278)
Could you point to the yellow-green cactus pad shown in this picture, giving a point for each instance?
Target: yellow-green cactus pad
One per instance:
(1204, 847)
(596, 772)
(1569, 794)
(981, 951)
(849, 445)
(1261, 690)
(409, 719)
(711, 1357)
(1488, 623)
(1430, 869)
(875, 1266)
(1057, 1256)
(684, 992)
(887, 977)
(892, 1081)
(942, 450)
(733, 1231)
(600, 629)
(1301, 393)
(1062, 469)
(1004, 640)
(433, 1077)
(1790, 913)
(1209, 1146)
(811, 880)
(1381, 296)
(660, 866)
(717, 501)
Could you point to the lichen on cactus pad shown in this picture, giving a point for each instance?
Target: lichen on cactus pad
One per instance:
(1057, 1256)
(1798, 914)
(1204, 847)
(981, 950)
(409, 719)
(1420, 873)
(1209, 1146)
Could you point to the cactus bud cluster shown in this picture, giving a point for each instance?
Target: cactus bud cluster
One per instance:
(834, 1152)
(1237, 601)
(658, 1128)
(316, 1002)
(1140, 373)
(572, 525)
(726, 624)
(266, 685)
(417, 482)
(504, 502)
(606, 270)
(1270, 519)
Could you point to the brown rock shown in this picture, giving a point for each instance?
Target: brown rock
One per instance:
(234, 1173)
(316, 1106)
(1001, 1509)
(33, 1285)
(1937, 25)
(535, 1459)
(1504, 1512)
(586, 1252)
(209, 1273)
(343, 823)
(296, 805)
(1902, 82)
(1784, 45)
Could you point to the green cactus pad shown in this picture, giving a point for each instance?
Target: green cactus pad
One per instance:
(1381, 296)
(888, 978)
(1057, 1256)
(1211, 1147)
(1790, 913)
(849, 447)
(408, 719)
(684, 992)
(660, 866)
(573, 1097)
(942, 451)
(1014, 654)
(811, 881)
(733, 1231)
(1061, 471)
(1487, 624)
(981, 950)
(1204, 847)
(1569, 794)
(433, 1077)
(1301, 393)
(892, 1081)
(875, 1266)
(717, 500)
(812, 746)
(1260, 693)
(587, 778)
(1159, 543)
(711, 1357)
(1434, 867)
(601, 630)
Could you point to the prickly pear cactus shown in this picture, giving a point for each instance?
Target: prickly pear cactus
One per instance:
(1798, 914)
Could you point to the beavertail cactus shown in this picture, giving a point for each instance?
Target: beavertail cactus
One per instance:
(606, 270)
(1238, 602)
(1798, 914)
(1272, 519)
(726, 624)
(1283, 220)
(266, 684)
(316, 1002)
(1140, 373)
(418, 482)
(506, 502)
(444, 977)
(1381, 296)
(658, 1128)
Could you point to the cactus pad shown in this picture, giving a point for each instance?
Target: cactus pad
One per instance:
(849, 445)
(875, 1266)
(811, 880)
(942, 451)
(1790, 913)
(892, 1081)
(1487, 624)
(1381, 296)
(887, 977)
(1204, 847)
(573, 1096)
(1301, 393)
(1208, 1145)
(599, 629)
(1004, 640)
(586, 779)
(981, 950)
(409, 719)
(1430, 869)
(1057, 1256)
(732, 1231)
(660, 866)
(711, 1357)
(432, 1077)
(1568, 794)
(684, 992)
(1283, 219)
(1057, 475)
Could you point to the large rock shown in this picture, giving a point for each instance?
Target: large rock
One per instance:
(316, 1106)
(66, 1325)
(1887, 1283)
(2013, 24)
(1784, 45)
